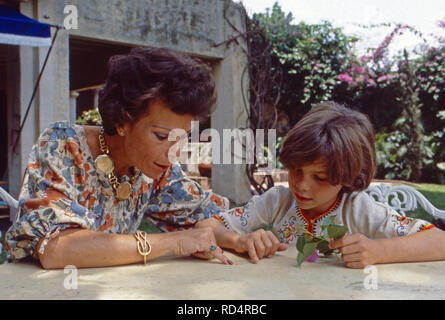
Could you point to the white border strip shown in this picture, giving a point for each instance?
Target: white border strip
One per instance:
(19, 40)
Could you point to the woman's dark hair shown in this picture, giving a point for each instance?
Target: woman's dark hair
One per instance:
(134, 80)
(342, 137)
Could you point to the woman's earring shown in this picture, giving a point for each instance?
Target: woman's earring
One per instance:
(122, 132)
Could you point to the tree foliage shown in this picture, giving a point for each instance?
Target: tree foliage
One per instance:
(310, 56)
(403, 95)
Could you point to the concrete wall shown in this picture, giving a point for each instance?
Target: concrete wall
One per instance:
(192, 26)
(231, 179)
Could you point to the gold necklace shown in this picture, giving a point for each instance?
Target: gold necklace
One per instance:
(105, 164)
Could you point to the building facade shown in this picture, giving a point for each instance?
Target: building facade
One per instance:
(208, 29)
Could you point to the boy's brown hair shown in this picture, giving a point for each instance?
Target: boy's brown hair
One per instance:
(342, 137)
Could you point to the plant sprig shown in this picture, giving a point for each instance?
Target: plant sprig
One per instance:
(307, 243)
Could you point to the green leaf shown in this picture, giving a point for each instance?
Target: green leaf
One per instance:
(316, 239)
(328, 221)
(300, 258)
(304, 239)
(336, 231)
(323, 246)
(301, 242)
(324, 231)
(308, 249)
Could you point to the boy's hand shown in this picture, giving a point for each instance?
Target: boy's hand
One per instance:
(259, 244)
(357, 251)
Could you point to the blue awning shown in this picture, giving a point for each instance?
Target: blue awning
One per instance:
(17, 29)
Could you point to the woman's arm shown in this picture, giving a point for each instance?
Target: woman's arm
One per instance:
(87, 249)
(359, 251)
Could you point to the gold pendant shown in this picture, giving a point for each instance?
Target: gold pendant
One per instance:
(104, 163)
(123, 191)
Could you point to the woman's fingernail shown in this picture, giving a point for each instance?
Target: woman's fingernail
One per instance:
(229, 261)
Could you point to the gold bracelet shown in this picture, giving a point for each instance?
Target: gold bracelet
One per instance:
(144, 246)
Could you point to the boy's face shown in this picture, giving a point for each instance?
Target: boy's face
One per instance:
(311, 188)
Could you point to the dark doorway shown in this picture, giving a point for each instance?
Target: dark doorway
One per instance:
(89, 66)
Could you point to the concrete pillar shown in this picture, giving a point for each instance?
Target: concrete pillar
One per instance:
(96, 98)
(54, 95)
(21, 77)
(231, 180)
(51, 101)
(14, 103)
(73, 105)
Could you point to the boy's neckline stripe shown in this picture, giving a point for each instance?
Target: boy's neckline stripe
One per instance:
(310, 222)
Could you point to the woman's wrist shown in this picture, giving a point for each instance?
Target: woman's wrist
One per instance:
(162, 244)
(170, 242)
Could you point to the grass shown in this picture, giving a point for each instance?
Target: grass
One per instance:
(435, 193)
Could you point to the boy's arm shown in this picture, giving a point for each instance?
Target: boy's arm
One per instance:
(358, 251)
(258, 244)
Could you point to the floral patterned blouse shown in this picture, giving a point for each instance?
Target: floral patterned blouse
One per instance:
(357, 211)
(62, 189)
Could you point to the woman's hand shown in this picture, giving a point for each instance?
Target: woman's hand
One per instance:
(199, 243)
(357, 251)
(259, 244)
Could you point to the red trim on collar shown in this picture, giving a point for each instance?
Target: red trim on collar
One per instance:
(310, 222)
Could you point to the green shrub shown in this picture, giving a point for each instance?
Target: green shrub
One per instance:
(90, 117)
(310, 58)
(402, 94)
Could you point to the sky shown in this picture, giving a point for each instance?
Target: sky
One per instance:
(421, 14)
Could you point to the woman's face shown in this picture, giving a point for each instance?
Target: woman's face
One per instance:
(311, 188)
(146, 142)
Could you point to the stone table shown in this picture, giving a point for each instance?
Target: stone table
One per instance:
(190, 278)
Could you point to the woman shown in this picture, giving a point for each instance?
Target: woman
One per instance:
(86, 189)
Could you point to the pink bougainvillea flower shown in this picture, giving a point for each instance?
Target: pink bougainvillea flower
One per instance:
(371, 82)
(345, 78)
(364, 59)
(313, 257)
(381, 78)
